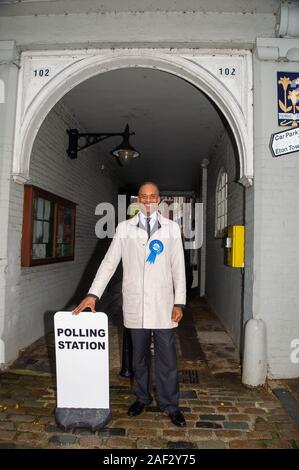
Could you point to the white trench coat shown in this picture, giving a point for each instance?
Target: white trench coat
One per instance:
(149, 290)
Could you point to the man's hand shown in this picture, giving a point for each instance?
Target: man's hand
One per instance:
(177, 314)
(88, 302)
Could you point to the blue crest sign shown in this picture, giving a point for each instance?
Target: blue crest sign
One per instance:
(288, 99)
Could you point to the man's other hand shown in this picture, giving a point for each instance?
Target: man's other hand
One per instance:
(177, 314)
(88, 302)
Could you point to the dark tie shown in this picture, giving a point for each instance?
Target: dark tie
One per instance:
(148, 226)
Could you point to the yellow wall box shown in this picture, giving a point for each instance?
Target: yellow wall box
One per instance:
(235, 244)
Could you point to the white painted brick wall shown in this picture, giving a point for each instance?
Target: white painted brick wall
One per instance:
(239, 26)
(276, 249)
(9, 75)
(36, 290)
(224, 284)
(249, 253)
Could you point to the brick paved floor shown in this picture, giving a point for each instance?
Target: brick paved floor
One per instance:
(220, 412)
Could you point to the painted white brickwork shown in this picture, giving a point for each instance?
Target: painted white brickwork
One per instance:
(33, 291)
(198, 23)
(276, 208)
(9, 76)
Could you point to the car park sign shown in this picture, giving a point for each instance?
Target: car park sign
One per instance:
(285, 142)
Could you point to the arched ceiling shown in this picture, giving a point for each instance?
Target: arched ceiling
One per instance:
(176, 125)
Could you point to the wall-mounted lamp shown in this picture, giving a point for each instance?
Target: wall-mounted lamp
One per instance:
(124, 152)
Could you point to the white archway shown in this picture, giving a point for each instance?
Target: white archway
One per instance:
(72, 69)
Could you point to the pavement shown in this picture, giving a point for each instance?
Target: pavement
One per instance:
(221, 413)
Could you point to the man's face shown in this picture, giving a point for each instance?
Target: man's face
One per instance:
(148, 198)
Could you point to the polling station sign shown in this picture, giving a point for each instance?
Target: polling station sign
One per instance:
(82, 360)
(284, 142)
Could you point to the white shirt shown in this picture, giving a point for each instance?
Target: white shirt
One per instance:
(143, 218)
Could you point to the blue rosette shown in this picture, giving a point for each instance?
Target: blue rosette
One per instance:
(156, 247)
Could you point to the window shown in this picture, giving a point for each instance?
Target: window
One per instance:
(221, 204)
(48, 234)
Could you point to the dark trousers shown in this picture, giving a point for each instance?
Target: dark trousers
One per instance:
(166, 375)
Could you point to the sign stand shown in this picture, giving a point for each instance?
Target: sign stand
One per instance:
(82, 370)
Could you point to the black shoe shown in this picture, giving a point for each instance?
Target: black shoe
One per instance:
(177, 418)
(136, 408)
(126, 373)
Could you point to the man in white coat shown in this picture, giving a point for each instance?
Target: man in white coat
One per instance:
(154, 295)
